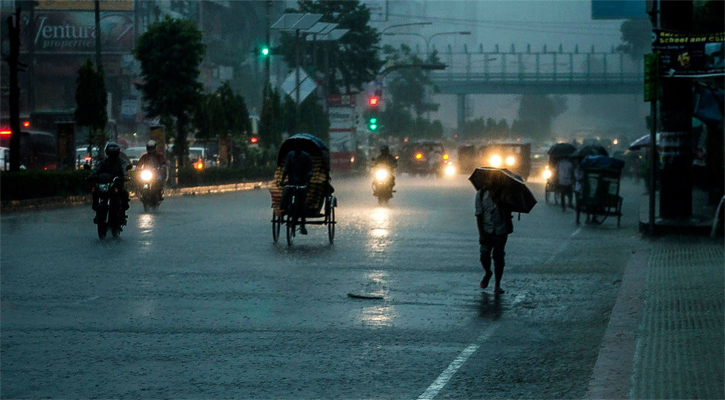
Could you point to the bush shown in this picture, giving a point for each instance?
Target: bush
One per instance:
(22, 185)
(188, 176)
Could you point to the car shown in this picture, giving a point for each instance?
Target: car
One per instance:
(516, 157)
(201, 158)
(423, 157)
(83, 157)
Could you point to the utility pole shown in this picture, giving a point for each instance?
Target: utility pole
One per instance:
(14, 100)
(267, 43)
(676, 124)
(98, 35)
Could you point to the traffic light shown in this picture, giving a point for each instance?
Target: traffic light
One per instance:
(254, 140)
(373, 124)
(374, 101)
(265, 51)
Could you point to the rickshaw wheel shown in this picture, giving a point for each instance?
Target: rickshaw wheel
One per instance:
(276, 225)
(331, 225)
(291, 226)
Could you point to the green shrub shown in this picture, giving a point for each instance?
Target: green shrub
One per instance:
(22, 185)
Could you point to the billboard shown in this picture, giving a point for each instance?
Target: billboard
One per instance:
(74, 32)
(85, 5)
(689, 55)
(619, 9)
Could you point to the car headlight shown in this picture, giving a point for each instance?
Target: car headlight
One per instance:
(510, 160)
(381, 175)
(146, 175)
(495, 161)
(547, 173)
(450, 169)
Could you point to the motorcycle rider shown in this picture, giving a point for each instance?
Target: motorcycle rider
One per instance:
(154, 160)
(115, 166)
(386, 159)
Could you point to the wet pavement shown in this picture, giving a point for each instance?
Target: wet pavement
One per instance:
(195, 301)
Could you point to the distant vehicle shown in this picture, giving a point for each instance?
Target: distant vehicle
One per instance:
(135, 153)
(516, 157)
(83, 157)
(423, 157)
(200, 158)
(38, 150)
(4, 158)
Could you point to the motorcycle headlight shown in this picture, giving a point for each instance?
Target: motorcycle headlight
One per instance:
(450, 170)
(381, 175)
(547, 173)
(146, 175)
(510, 160)
(495, 161)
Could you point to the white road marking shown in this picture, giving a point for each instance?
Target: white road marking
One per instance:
(563, 246)
(446, 376)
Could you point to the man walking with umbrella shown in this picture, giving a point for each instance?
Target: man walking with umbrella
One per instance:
(499, 192)
(494, 225)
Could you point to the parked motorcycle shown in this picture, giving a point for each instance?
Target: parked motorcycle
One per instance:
(383, 183)
(151, 187)
(110, 214)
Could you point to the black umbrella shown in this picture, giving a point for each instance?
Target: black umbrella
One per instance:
(591, 150)
(561, 150)
(512, 191)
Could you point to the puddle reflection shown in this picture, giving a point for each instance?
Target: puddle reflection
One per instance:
(377, 315)
(379, 234)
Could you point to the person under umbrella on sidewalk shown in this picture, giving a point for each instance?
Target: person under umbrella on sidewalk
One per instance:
(494, 223)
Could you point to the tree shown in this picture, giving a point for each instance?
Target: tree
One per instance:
(314, 120)
(408, 86)
(637, 37)
(170, 53)
(228, 113)
(270, 119)
(356, 53)
(537, 112)
(91, 102)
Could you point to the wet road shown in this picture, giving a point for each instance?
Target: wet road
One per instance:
(195, 301)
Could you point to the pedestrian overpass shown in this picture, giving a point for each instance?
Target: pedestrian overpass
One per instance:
(546, 72)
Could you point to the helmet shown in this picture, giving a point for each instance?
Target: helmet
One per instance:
(384, 149)
(151, 146)
(113, 150)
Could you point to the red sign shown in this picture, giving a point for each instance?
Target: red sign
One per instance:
(342, 160)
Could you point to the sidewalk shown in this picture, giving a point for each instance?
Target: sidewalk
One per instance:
(666, 336)
(700, 223)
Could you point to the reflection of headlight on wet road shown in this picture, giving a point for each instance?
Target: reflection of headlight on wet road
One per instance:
(510, 160)
(450, 170)
(146, 175)
(381, 175)
(495, 161)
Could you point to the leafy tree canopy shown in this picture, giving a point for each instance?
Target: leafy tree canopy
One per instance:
(536, 114)
(637, 37)
(170, 53)
(408, 86)
(354, 58)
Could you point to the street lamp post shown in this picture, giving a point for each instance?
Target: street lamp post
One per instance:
(400, 25)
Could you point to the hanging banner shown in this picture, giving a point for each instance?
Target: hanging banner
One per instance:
(690, 55)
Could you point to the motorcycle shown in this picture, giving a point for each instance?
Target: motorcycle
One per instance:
(383, 183)
(110, 214)
(151, 187)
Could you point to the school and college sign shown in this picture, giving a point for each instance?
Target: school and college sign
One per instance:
(74, 32)
(689, 55)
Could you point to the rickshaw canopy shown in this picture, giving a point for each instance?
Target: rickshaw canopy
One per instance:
(309, 143)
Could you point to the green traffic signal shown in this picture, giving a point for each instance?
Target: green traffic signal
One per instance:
(265, 51)
(373, 124)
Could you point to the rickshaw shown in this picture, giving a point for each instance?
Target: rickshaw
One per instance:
(599, 195)
(319, 207)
